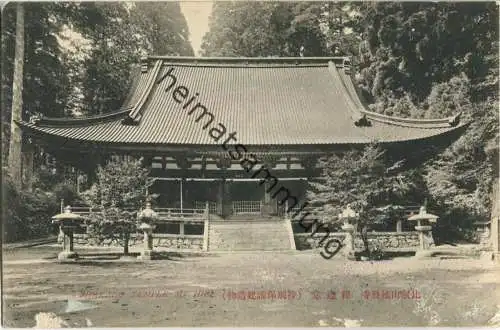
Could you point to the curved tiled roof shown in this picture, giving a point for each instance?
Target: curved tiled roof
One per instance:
(266, 101)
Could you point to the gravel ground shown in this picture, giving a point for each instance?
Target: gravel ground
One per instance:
(287, 289)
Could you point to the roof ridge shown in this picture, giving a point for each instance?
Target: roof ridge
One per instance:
(247, 60)
(356, 114)
(136, 113)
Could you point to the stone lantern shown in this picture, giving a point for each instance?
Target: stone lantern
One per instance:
(68, 222)
(147, 217)
(423, 228)
(349, 217)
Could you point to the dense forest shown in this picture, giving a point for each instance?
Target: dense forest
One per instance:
(411, 59)
(78, 56)
(78, 59)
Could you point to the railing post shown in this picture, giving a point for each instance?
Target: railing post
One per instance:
(205, 227)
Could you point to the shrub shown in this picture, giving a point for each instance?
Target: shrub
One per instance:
(28, 214)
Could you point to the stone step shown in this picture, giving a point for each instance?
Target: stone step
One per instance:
(251, 235)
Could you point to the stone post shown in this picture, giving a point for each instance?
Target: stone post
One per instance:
(424, 236)
(68, 243)
(399, 226)
(349, 250)
(147, 216)
(424, 231)
(67, 222)
(350, 218)
(147, 252)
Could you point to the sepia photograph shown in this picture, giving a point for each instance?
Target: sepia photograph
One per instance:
(250, 164)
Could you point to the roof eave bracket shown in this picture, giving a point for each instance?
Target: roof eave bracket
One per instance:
(132, 121)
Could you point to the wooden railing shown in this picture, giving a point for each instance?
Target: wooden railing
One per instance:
(164, 214)
(212, 206)
(182, 215)
(407, 211)
(247, 207)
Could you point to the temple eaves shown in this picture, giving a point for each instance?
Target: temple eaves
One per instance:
(267, 101)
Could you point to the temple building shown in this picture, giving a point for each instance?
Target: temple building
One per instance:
(238, 136)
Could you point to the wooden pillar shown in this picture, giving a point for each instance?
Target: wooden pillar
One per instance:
(228, 203)
(270, 205)
(181, 193)
(224, 202)
(220, 197)
(267, 193)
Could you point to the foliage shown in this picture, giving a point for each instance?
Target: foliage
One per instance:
(432, 60)
(162, 27)
(121, 184)
(411, 46)
(119, 191)
(45, 82)
(360, 179)
(119, 34)
(461, 177)
(79, 56)
(28, 214)
(67, 193)
(264, 29)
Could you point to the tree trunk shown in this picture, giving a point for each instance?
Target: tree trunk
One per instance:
(17, 101)
(27, 157)
(364, 238)
(126, 239)
(493, 155)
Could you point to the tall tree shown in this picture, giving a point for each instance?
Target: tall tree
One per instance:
(408, 47)
(45, 85)
(17, 100)
(434, 60)
(264, 29)
(163, 28)
(119, 34)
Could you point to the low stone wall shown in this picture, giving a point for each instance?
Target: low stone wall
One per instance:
(387, 241)
(170, 241)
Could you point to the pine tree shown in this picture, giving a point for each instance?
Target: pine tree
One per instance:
(119, 192)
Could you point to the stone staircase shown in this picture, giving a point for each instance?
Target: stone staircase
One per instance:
(250, 235)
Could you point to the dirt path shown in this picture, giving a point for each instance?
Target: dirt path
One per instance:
(251, 290)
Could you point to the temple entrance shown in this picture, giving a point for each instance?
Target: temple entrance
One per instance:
(228, 198)
(246, 198)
